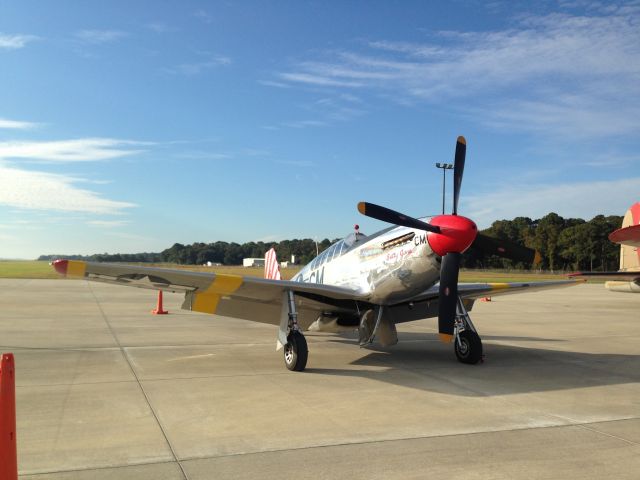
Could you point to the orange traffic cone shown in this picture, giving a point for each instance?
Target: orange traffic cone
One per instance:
(158, 310)
(8, 449)
(485, 299)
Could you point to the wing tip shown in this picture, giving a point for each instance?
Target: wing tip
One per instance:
(61, 266)
(445, 337)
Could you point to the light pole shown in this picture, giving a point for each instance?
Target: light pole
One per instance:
(444, 167)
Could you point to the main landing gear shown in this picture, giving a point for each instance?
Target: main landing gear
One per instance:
(467, 344)
(296, 351)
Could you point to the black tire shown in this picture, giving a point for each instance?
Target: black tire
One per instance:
(296, 352)
(471, 350)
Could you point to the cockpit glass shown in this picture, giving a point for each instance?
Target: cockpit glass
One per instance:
(354, 238)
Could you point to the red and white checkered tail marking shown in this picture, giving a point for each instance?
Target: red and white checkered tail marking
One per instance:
(271, 267)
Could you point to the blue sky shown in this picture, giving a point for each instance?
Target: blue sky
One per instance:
(129, 126)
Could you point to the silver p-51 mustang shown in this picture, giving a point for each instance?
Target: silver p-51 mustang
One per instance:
(370, 283)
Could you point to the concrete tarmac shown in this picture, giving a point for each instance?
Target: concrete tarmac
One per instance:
(105, 390)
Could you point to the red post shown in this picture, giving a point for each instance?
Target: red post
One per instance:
(158, 310)
(8, 450)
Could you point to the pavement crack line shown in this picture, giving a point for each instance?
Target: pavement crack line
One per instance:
(416, 437)
(587, 426)
(135, 375)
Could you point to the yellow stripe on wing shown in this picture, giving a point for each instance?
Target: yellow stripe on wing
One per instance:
(499, 286)
(207, 301)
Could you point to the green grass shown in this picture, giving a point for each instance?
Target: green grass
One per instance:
(26, 269)
(35, 269)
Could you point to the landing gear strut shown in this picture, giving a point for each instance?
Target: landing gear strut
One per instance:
(296, 351)
(467, 344)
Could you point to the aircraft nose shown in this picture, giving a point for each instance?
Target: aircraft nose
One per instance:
(456, 235)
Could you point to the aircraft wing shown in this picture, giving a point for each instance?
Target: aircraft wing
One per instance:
(238, 296)
(474, 291)
(425, 304)
(619, 275)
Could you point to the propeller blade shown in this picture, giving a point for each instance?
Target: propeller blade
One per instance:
(391, 216)
(448, 294)
(458, 169)
(506, 249)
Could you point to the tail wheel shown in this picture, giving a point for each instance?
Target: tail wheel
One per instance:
(468, 347)
(296, 352)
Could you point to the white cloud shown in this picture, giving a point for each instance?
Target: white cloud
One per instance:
(79, 150)
(13, 42)
(271, 83)
(203, 155)
(108, 223)
(316, 78)
(552, 74)
(16, 124)
(570, 200)
(305, 124)
(100, 36)
(52, 192)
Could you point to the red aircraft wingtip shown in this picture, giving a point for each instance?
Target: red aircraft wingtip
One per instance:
(61, 266)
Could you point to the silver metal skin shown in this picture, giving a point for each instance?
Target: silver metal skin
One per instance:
(389, 267)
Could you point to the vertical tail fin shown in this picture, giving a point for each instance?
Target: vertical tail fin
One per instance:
(271, 267)
(630, 254)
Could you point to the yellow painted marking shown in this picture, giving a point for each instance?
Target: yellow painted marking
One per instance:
(499, 286)
(76, 268)
(362, 208)
(224, 284)
(207, 301)
(446, 338)
(462, 140)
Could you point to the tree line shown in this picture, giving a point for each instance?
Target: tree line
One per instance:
(563, 243)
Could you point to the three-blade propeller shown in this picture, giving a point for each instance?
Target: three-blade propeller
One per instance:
(451, 235)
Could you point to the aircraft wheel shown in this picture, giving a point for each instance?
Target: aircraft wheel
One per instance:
(470, 350)
(296, 352)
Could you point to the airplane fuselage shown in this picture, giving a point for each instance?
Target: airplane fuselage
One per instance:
(390, 266)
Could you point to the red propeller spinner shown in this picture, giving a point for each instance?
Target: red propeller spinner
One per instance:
(456, 234)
